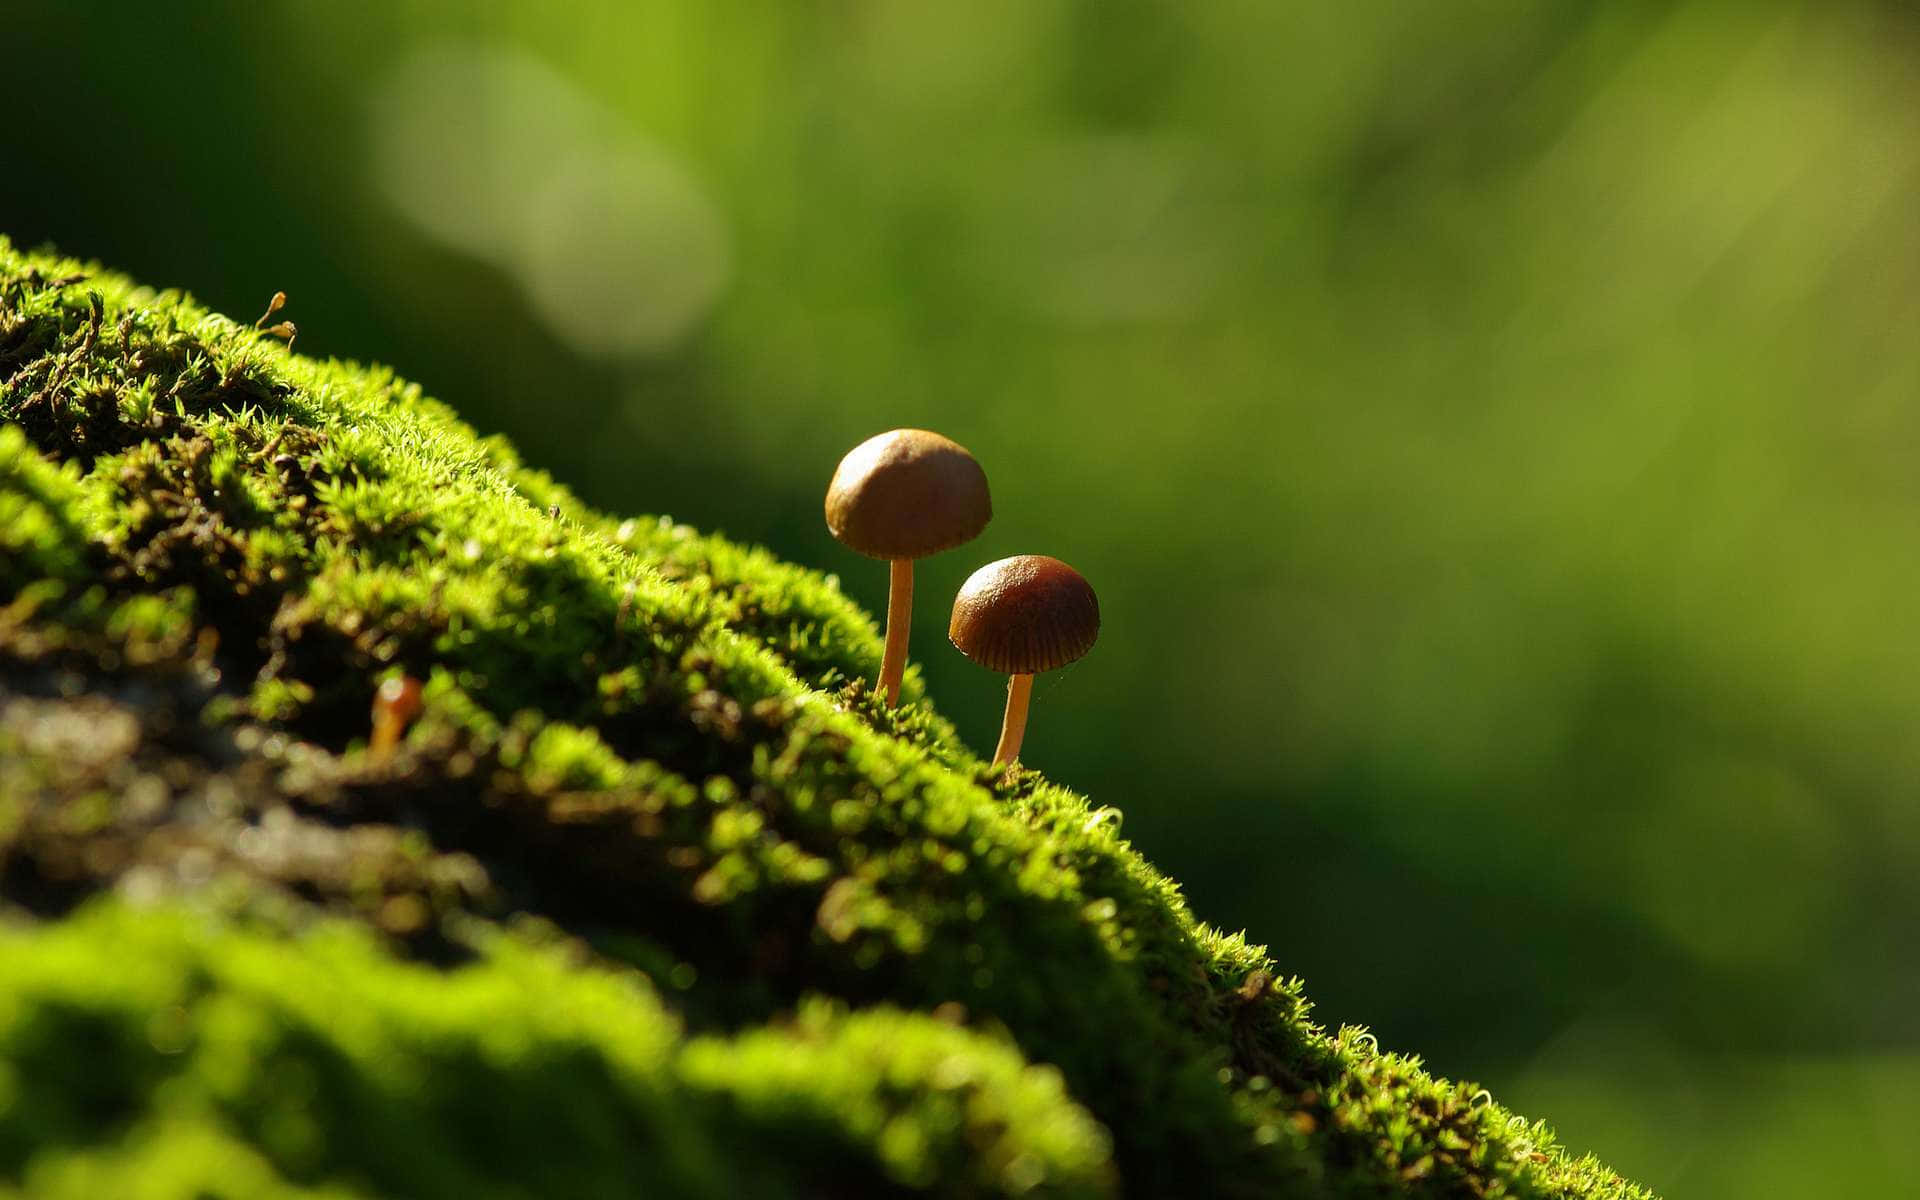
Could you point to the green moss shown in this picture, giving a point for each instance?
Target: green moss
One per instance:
(319, 1066)
(652, 740)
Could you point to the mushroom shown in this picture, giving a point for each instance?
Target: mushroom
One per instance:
(395, 705)
(1021, 616)
(904, 495)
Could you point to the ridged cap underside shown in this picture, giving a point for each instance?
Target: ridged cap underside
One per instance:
(1024, 615)
(907, 494)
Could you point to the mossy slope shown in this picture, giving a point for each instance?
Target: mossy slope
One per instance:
(688, 912)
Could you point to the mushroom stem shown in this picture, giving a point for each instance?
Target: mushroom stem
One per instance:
(387, 730)
(893, 664)
(1013, 728)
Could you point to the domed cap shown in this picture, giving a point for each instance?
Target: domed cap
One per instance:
(1024, 615)
(907, 494)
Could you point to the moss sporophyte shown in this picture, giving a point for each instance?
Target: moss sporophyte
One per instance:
(643, 908)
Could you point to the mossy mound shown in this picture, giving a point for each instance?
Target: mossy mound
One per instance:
(653, 898)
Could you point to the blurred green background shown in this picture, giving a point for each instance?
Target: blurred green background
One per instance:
(1491, 429)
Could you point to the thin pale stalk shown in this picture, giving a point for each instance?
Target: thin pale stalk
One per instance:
(1013, 728)
(893, 664)
(387, 728)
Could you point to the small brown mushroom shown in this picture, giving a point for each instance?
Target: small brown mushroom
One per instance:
(1021, 616)
(395, 706)
(904, 495)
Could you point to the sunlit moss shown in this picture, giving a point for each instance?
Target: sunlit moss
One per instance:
(904, 968)
(239, 1063)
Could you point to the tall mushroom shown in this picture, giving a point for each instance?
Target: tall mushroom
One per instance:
(1021, 616)
(904, 495)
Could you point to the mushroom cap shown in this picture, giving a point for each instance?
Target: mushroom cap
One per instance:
(907, 493)
(399, 696)
(1024, 615)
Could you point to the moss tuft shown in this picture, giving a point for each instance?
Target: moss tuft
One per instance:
(653, 892)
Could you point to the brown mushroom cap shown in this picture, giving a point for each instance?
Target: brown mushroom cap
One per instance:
(907, 493)
(1024, 615)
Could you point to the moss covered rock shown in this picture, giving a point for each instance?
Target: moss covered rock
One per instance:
(653, 898)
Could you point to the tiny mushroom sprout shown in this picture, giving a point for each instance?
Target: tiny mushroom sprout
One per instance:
(1021, 616)
(904, 495)
(395, 705)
